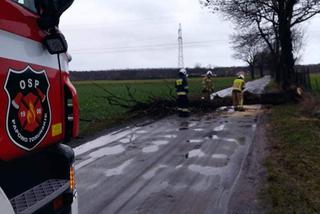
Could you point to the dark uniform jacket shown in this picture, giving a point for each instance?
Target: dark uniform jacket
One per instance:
(182, 87)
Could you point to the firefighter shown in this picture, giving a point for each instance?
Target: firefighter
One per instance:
(207, 84)
(237, 93)
(182, 90)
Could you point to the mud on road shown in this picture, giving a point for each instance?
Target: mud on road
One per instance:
(170, 166)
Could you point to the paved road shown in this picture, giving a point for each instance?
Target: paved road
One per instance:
(169, 166)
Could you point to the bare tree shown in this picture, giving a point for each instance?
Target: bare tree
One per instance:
(247, 46)
(275, 21)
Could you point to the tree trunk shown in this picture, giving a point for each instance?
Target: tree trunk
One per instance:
(261, 66)
(286, 53)
(251, 67)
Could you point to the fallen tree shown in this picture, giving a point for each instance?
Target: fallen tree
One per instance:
(162, 106)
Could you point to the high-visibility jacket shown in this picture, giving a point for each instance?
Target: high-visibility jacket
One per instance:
(182, 87)
(238, 85)
(207, 83)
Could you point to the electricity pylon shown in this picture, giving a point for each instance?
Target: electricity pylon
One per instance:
(180, 42)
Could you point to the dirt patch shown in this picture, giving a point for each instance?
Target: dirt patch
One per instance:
(245, 197)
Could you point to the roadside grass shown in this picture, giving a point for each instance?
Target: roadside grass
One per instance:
(96, 113)
(315, 83)
(294, 161)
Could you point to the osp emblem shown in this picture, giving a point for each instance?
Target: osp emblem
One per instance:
(28, 114)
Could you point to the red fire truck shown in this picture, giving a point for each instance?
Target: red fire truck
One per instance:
(38, 109)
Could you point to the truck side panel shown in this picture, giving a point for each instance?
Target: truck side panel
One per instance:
(32, 96)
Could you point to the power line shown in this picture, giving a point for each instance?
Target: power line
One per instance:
(140, 50)
(208, 42)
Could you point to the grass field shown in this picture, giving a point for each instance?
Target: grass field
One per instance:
(315, 82)
(294, 163)
(96, 113)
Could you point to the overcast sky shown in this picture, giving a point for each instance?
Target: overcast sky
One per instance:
(143, 34)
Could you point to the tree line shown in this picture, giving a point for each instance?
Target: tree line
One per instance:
(268, 32)
(170, 73)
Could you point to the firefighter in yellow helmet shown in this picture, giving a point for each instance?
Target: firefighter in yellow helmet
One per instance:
(207, 84)
(237, 93)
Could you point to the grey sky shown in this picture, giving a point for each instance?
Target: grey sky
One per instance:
(143, 34)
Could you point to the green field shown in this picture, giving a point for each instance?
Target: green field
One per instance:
(96, 113)
(315, 82)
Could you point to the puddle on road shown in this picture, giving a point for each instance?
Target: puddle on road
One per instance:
(118, 170)
(179, 166)
(142, 132)
(151, 173)
(192, 124)
(128, 139)
(195, 141)
(107, 151)
(219, 156)
(227, 109)
(170, 136)
(155, 146)
(150, 149)
(195, 153)
(101, 153)
(205, 170)
(232, 140)
(102, 141)
(160, 142)
(240, 141)
(219, 128)
(254, 126)
(223, 108)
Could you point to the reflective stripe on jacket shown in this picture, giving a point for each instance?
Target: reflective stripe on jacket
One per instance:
(181, 85)
(238, 85)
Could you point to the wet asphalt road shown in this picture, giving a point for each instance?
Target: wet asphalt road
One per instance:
(170, 166)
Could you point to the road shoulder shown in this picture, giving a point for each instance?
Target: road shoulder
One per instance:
(245, 196)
